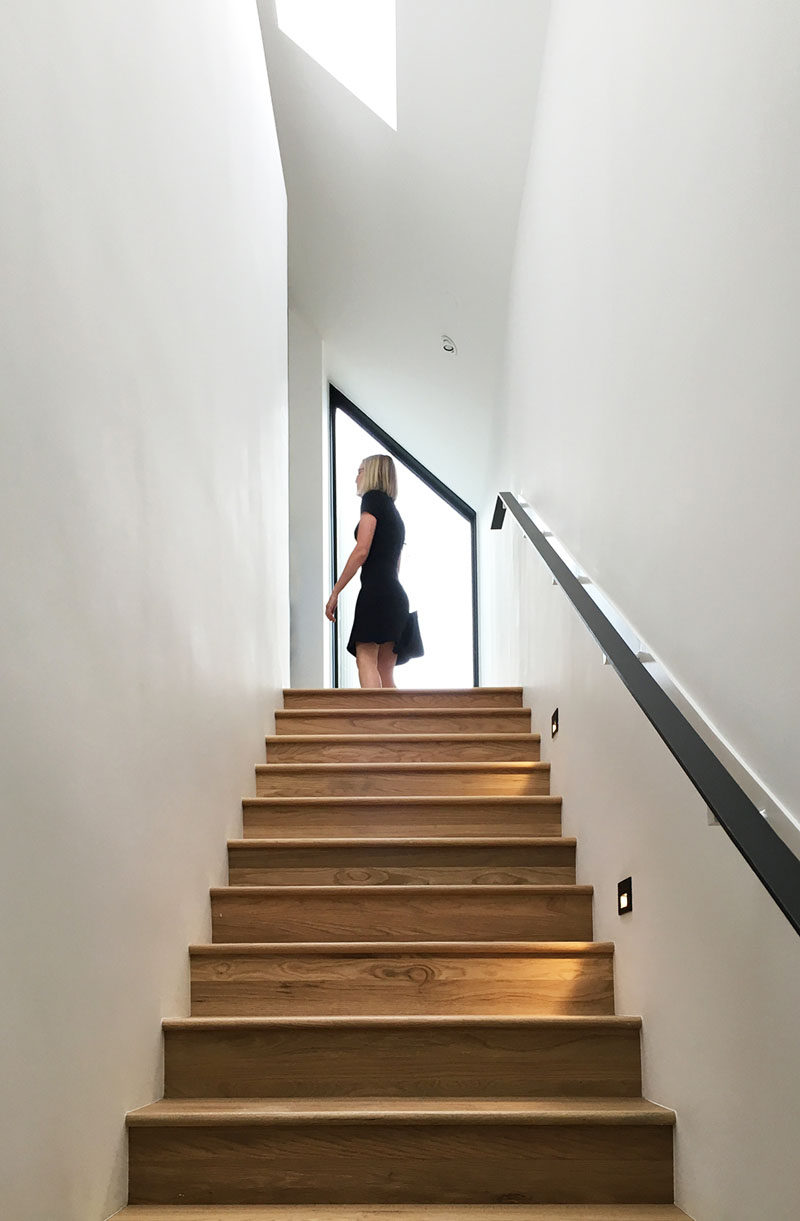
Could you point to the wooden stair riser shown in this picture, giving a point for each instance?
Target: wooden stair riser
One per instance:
(405, 913)
(404, 748)
(404, 1059)
(401, 1163)
(402, 780)
(401, 865)
(464, 697)
(286, 983)
(314, 817)
(409, 720)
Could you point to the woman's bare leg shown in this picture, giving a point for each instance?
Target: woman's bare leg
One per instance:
(367, 661)
(387, 659)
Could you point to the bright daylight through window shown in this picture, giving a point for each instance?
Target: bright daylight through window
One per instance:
(354, 40)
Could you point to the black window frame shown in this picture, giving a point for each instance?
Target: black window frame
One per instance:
(340, 402)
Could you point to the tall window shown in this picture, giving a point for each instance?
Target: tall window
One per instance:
(354, 40)
(436, 568)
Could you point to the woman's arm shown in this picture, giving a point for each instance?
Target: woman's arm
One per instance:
(364, 537)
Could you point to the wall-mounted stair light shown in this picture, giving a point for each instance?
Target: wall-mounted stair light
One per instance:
(554, 724)
(625, 897)
(449, 346)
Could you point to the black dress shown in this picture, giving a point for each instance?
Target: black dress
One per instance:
(382, 606)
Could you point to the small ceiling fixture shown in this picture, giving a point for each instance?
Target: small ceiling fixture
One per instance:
(448, 346)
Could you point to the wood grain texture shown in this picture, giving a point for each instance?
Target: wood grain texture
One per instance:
(393, 816)
(402, 1014)
(401, 1112)
(405, 913)
(504, 979)
(409, 720)
(471, 1057)
(453, 697)
(403, 748)
(404, 1212)
(390, 1162)
(401, 779)
(419, 862)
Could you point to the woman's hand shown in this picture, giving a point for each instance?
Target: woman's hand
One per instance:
(330, 608)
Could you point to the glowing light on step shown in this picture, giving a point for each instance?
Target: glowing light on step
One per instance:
(354, 40)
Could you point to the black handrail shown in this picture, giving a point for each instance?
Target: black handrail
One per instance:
(760, 845)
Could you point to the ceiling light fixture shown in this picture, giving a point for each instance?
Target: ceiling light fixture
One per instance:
(448, 346)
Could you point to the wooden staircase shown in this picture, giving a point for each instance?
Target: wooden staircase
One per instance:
(402, 1014)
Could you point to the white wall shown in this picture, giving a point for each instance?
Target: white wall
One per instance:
(652, 367)
(652, 359)
(309, 484)
(143, 509)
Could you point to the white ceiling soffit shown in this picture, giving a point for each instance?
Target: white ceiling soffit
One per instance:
(399, 237)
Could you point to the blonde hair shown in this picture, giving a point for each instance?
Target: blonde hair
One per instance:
(379, 475)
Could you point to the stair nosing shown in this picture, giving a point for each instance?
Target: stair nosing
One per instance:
(161, 1114)
(404, 766)
(431, 710)
(402, 691)
(371, 949)
(413, 841)
(351, 739)
(460, 888)
(421, 799)
(381, 1021)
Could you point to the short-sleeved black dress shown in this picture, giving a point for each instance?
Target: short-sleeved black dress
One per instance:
(382, 605)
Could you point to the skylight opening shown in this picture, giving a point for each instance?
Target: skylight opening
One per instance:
(354, 40)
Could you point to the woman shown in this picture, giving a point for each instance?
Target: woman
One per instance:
(381, 614)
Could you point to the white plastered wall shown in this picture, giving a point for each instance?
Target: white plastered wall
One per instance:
(143, 511)
(651, 420)
(309, 492)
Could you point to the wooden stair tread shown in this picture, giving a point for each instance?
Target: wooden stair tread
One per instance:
(400, 1212)
(430, 710)
(425, 1021)
(201, 1112)
(471, 890)
(410, 841)
(370, 949)
(400, 692)
(399, 768)
(395, 739)
(424, 800)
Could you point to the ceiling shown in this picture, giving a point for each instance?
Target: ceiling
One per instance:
(396, 238)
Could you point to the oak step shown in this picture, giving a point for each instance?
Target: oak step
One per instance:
(417, 1056)
(419, 862)
(403, 748)
(406, 1150)
(416, 978)
(401, 779)
(391, 816)
(282, 1112)
(408, 720)
(404, 913)
(402, 1212)
(451, 697)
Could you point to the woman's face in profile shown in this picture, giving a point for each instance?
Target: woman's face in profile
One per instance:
(359, 479)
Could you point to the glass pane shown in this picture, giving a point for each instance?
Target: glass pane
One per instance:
(435, 568)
